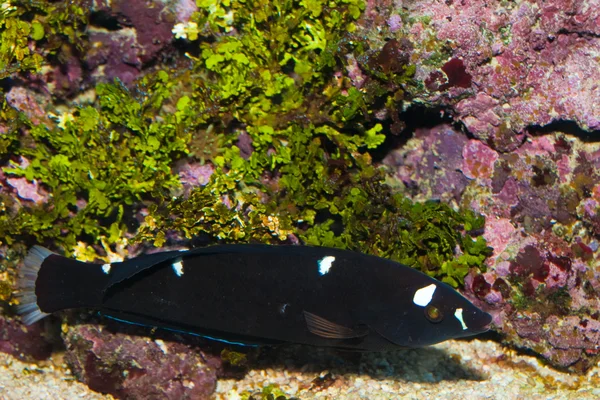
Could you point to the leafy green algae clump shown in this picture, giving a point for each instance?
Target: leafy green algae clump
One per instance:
(265, 70)
(308, 172)
(94, 164)
(33, 30)
(269, 392)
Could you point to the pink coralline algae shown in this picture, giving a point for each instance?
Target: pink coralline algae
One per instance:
(126, 66)
(395, 23)
(498, 232)
(478, 160)
(486, 119)
(67, 80)
(184, 9)
(143, 32)
(25, 342)
(571, 333)
(354, 72)
(435, 162)
(123, 37)
(27, 190)
(193, 175)
(29, 102)
(531, 63)
(152, 24)
(138, 367)
(541, 204)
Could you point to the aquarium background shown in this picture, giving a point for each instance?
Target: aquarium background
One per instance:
(458, 137)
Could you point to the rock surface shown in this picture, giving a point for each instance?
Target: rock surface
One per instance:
(541, 203)
(139, 367)
(510, 65)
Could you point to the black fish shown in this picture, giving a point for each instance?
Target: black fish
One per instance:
(258, 294)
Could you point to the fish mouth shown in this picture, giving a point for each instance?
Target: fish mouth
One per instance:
(485, 321)
(479, 321)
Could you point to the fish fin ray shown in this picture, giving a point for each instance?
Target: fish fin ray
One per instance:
(26, 283)
(330, 330)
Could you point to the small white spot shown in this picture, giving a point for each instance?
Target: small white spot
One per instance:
(106, 268)
(424, 295)
(188, 384)
(178, 267)
(325, 264)
(283, 308)
(459, 317)
(162, 346)
(182, 250)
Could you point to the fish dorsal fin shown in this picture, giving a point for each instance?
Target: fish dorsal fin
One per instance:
(330, 330)
(122, 271)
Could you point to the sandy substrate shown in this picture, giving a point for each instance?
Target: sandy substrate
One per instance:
(22, 381)
(451, 370)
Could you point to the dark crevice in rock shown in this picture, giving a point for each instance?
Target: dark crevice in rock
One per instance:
(585, 34)
(414, 117)
(105, 20)
(568, 128)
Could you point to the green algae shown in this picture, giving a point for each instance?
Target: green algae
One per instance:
(282, 53)
(309, 173)
(345, 204)
(269, 392)
(94, 163)
(234, 358)
(32, 31)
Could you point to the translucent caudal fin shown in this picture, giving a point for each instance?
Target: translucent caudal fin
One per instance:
(27, 276)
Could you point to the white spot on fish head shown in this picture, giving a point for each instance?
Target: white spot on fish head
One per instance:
(458, 314)
(325, 264)
(106, 268)
(178, 267)
(424, 295)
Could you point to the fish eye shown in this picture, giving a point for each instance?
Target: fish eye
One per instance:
(434, 314)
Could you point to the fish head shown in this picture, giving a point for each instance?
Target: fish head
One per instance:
(428, 313)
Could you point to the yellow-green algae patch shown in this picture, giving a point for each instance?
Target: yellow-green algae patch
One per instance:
(309, 172)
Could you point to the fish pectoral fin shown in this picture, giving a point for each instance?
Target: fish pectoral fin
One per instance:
(330, 330)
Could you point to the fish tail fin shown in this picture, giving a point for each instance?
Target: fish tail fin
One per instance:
(26, 283)
(48, 282)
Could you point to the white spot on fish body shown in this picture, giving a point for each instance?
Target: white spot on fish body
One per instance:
(424, 295)
(325, 264)
(178, 267)
(459, 316)
(106, 268)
